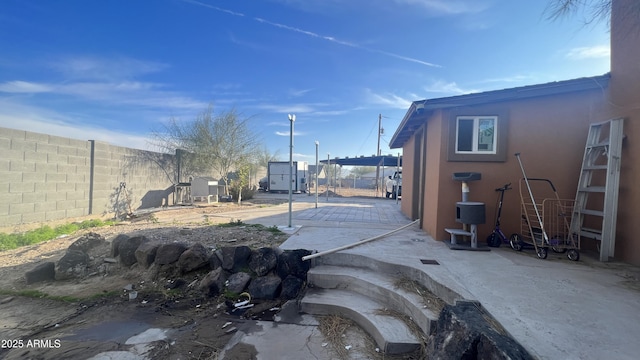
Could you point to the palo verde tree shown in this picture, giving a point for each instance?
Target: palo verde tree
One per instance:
(241, 179)
(218, 142)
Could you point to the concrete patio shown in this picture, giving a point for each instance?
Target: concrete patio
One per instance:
(556, 308)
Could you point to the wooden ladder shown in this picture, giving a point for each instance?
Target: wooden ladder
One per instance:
(597, 194)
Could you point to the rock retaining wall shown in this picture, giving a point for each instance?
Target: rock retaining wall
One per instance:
(265, 273)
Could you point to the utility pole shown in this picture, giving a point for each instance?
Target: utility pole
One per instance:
(378, 154)
(292, 119)
(379, 132)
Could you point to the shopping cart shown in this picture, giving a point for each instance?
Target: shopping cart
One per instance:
(544, 224)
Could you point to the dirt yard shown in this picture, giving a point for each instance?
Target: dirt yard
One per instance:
(77, 319)
(83, 317)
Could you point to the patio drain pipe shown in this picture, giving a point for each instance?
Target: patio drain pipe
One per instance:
(326, 252)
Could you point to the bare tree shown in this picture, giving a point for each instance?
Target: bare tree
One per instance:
(359, 171)
(627, 13)
(264, 156)
(594, 10)
(211, 142)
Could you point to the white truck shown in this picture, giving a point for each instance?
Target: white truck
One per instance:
(393, 186)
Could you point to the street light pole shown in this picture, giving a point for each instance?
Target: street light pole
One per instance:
(292, 119)
(317, 143)
(328, 177)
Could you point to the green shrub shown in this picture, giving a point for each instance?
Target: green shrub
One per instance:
(38, 235)
(232, 223)
(247, 192)
(44, 233)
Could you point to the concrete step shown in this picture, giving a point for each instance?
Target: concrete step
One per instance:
(378, 286)
(434, 278)
(390, 333)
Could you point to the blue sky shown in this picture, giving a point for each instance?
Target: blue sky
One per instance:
(116, 70)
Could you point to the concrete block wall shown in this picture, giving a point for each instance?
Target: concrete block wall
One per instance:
(127, 179)
(45, 177)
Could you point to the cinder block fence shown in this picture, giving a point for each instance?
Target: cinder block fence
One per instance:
(45, 177)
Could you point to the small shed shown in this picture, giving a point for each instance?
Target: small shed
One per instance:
(205, 188)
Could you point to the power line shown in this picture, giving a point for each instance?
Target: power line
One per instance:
(367, 139)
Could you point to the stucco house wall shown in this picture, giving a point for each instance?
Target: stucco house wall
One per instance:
(408, 174)
(551, 143)
(624, 101)
(549, 131)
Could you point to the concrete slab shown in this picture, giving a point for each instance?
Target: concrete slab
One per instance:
(556, 308)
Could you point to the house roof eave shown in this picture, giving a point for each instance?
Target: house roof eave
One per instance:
(411, 121)
(418, 111)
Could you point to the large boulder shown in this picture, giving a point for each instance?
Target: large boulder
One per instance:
(43, 272)
(193, 258)
(263, 260)
(235, 258)
(465, 333)
(169, 253)
(146, 253)
(215, 260)
(115, 244)
(213, 283)
(127, 249)
(265, 287)
(237, 282)
(290, 263)
(87, 242)
(291, 287)
(73, 264)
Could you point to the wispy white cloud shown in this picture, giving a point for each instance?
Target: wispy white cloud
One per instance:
(592, 52)
(447, 6)
(303, 157)
(330, 112)
(214, 7)
(509, 79)
(389, 100)
(312, 34)
(443, 87)
(288, 109)
(26, 87)
(46, 121)
(108, 80)
(102, 68)
(126, 92)
(433, 7)
(286, 133)
(298, 92)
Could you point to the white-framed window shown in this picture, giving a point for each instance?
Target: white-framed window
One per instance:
(476, 134)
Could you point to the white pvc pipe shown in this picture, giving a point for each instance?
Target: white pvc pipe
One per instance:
(304, 258)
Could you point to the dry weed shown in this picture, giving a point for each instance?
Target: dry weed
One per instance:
(415, 330)
(429, 299)
(334, 328)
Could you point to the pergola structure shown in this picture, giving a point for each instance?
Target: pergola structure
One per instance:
(382, 160)
(378, 161)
